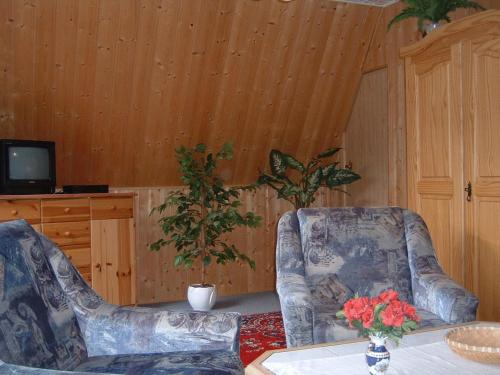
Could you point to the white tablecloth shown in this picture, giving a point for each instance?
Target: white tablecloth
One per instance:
(420, 354)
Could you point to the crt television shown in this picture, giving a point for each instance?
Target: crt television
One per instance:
(27, 167)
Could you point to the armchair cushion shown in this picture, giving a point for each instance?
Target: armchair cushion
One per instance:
(362, 250)
(186, 362)
(37, 326)
(327, 328)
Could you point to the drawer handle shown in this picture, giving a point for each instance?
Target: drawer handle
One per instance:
(98, 266)
(114, 208)
(66, 210)
(109, 264)
(67, 233)
(13, 212)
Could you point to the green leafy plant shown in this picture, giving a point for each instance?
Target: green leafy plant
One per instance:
(299, 188)
(204, 212)
(431, 10)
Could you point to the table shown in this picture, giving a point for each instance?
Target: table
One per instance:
(421, 353)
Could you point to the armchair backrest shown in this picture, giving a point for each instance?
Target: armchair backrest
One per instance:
(354, 250)
(37, 327)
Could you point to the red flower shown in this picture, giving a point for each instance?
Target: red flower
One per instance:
(368, 317)
(388, 296)
(375, 301)
(410, 312)
(393, 314)
(356, 307)
(390, 311)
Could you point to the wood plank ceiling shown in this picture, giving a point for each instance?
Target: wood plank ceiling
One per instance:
(118, 84)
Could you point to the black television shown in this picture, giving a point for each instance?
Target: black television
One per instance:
(27, 167)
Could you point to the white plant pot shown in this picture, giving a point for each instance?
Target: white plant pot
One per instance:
(202, 297)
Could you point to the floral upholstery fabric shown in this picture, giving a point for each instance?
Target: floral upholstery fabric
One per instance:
(325, 256)
(432, 289)
(372, 242)
(110, 329)
(212, 362)
(216, 362)
(38, 328)
(69, 315)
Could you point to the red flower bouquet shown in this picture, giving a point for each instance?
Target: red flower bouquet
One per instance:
(383, 316)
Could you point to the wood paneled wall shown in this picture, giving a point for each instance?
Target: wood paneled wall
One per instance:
(366, 142)
(118, 84)
(384, 53)
(159, 281)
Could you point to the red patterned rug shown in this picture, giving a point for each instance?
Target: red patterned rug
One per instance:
(259, 333)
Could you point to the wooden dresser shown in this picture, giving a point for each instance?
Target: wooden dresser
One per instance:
(96, 232)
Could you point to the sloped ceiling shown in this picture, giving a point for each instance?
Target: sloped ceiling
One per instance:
(118, 84)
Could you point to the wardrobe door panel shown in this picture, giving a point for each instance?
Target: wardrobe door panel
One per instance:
(435, 151)
(485, 160)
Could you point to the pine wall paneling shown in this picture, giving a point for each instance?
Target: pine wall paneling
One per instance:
(384, 52)
(366, 142)
(159, 281)
(118, 84)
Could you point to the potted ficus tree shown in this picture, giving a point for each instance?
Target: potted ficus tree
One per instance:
(300, 187)
(205, 211)
(431, 12)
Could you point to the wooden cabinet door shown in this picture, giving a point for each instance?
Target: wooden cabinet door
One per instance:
(435, 151)
(112, 260)
(483, 165)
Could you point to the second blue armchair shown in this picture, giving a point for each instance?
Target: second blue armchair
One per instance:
(325, 256)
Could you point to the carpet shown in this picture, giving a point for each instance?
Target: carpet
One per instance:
(259, 333)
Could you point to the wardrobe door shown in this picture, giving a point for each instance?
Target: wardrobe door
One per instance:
(483, 167)
(435, 150)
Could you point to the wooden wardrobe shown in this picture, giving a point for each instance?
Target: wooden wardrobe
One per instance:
(453, 149)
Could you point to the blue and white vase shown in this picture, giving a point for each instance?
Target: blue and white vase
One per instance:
(377, 355)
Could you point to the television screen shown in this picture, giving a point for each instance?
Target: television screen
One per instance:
(29, 163)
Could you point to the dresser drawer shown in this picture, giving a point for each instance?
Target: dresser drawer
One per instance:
(79, 255)
(60, 210)
(112, 208)
(27, 209)
(66, 234)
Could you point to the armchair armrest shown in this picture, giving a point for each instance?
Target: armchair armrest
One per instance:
(8, 369)
(294, 294)
(112, 329)
(437, 293)
(109, 329)
(433, 290)
(297, 310)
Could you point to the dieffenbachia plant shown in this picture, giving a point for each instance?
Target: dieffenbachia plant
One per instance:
(299, 188)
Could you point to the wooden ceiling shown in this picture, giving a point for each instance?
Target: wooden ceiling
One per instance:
(118, 84)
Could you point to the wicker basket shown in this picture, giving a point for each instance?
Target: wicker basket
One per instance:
(480, 344)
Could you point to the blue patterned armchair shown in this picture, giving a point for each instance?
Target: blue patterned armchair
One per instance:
(51, 322)
(326, 255)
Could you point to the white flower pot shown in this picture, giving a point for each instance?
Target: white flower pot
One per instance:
(202, 297)
(428, 27)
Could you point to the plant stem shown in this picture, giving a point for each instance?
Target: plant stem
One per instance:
(203, 241)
